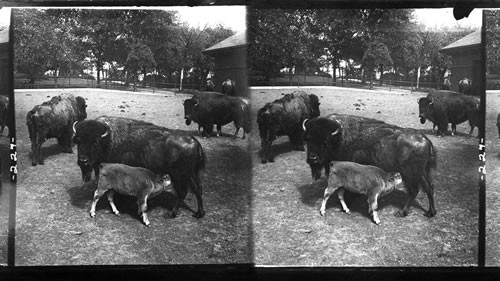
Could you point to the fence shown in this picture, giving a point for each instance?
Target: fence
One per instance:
(350, 83)
(51, 83)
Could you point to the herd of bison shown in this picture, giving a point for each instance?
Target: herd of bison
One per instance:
(180, 193)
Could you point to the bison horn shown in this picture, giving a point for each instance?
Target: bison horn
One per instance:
(336, 132)
(304, 124)
(74, 127)
(432, 101)
(105, 134)
(197, 102)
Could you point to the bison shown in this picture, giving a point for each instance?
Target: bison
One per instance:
(209, 85)
(209, 108)
(464, 86)
(498, 124)
(372, 142)
(443, 107)
(283, 117)
(446, 84)
(4, 112)
(142, 144)
(362, 179)
(54, 119)
(229, 87)
(127, 180)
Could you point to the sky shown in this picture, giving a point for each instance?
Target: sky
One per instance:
(233, 17)
(444, 17)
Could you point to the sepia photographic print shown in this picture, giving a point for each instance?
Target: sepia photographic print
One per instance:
(97, 86)
(258, 140)
(323, 82)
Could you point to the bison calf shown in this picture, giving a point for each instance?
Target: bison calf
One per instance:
(127, 180)
(362, 179)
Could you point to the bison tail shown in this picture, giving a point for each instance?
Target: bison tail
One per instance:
(432, 154)
(201, 157)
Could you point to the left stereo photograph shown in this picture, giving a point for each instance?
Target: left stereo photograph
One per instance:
(5, 185)
(111, 172)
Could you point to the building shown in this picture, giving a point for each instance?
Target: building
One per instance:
(231, 62)
(466, 61)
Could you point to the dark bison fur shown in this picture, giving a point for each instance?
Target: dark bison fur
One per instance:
(209, 108)
(229, 87)
(443, 107)
(4, 112)
(142, 144)
(284, 117)
(372, 142)
(54, 119)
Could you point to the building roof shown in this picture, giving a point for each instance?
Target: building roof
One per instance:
(471, 40)
(236, 41)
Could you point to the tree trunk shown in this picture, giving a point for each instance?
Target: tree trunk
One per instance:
(144, 77)
(418, 77)
(181, 78)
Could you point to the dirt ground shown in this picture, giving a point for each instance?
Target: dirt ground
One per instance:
(53, 223)
(287, 226)
(492, 180)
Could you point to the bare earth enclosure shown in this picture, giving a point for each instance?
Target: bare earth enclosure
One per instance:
(53, 222)
(287, 226)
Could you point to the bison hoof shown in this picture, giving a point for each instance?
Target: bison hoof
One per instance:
(33, 163)
(264, 161)
(92, 215)
(199, 215)
(430, 214)
(347, 212)
(322, 213)
(401, 213)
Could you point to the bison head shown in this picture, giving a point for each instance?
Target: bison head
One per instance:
(190, 106)
(81, 107)
(93, 139)
(322, 137)
(425, 107)
(314, 105)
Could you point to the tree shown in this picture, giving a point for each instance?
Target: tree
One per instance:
(140, 58)
(493, 41)
(376, 56)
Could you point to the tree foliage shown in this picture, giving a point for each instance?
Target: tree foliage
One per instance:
(140, 41)
(493, 41)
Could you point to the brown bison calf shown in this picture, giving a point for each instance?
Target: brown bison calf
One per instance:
(128, 180)
(362, 179)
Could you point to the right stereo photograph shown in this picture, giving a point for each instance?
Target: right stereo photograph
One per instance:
(492, 131)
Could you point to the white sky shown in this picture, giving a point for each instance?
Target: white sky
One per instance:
(444, 17)
(233, 17)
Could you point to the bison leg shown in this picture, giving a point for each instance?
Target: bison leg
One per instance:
(142, 208)
(412, 188)
(237, 131)
(342, 202)
(111, 193)
(329, 190)
(372, 208)
(97, 195)
(429, 190)
(39, 154)
(266, 150)
(296, 140)
(198, 192)
(453, 129)
(34, 160)
(219, 130)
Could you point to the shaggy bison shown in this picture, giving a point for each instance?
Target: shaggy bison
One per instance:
(362, 179)
(283, 117)
(4, 112)
(464, 86)
(142, 144)
(443, 107)
(127, 180)
(372, 142)
(53, 119)
(446, 84)
(229, 87)
(209, 108)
